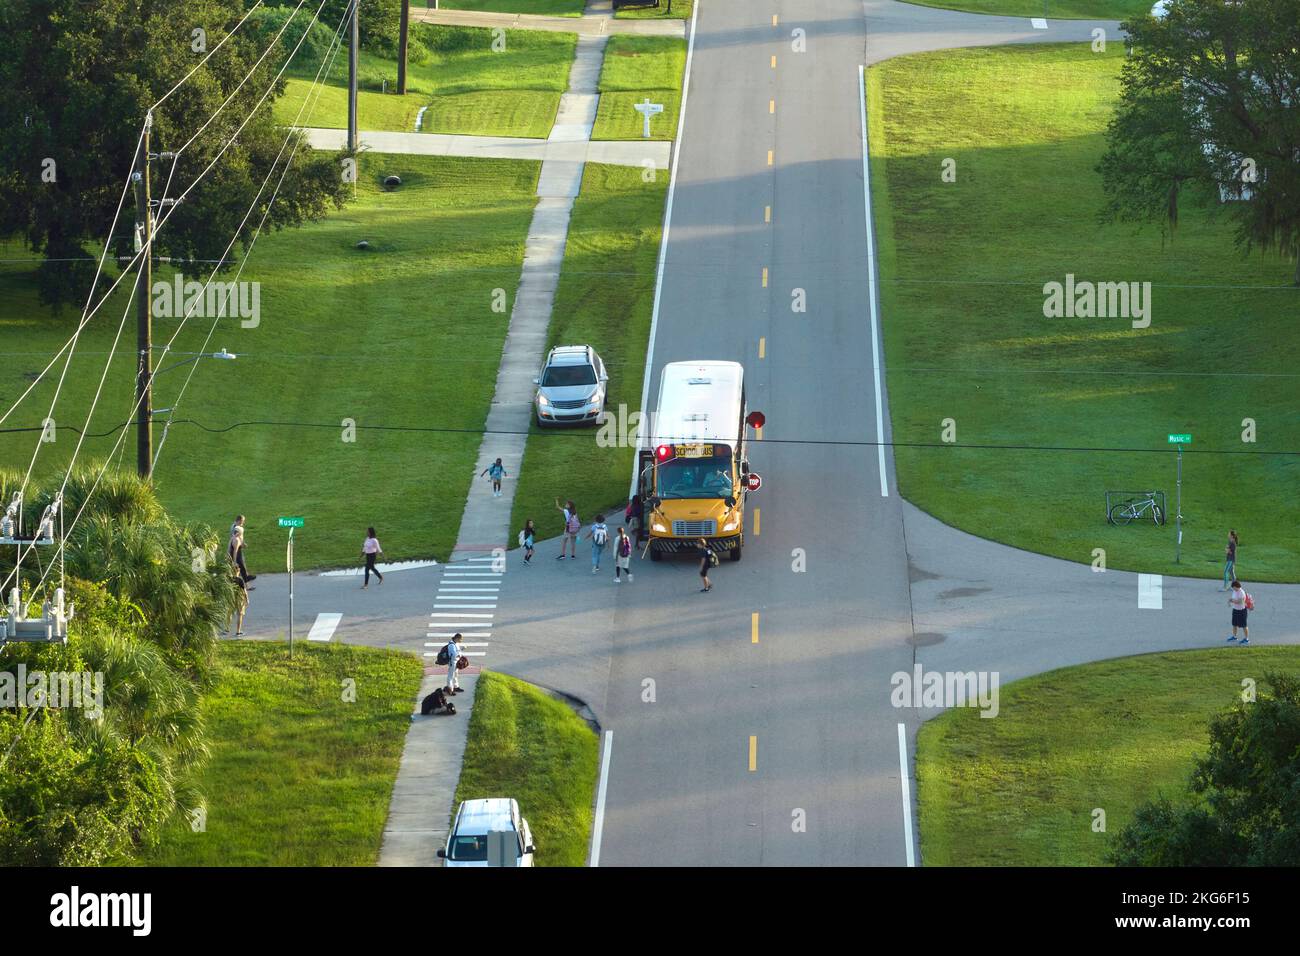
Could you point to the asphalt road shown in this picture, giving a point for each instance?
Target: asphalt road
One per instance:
(676, 675)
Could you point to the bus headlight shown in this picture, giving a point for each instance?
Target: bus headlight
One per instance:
(732, 523)
(659, 526)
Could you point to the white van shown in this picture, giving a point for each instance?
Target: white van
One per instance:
(467, 844)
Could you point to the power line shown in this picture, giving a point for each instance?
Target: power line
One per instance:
(767, 440)
(198, 66)
(326, 58)
(145, 247)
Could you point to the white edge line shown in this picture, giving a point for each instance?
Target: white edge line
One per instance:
(871, 282)
(599, 825)
(907, 793)
(663, 254)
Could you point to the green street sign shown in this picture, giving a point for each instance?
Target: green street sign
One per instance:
(1180, 439)
(292, 522)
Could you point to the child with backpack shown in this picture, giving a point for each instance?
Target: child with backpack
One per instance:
(599, 535)
(622, 556)
(571, 527)
(526, 537)
(496, 471)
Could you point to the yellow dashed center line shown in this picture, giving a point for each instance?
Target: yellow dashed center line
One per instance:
(762, 346)
(753, 754)
(771, 106)
(756, 522)
(769, 157)
(764, 277)
(758, 433)
(767, 213)
(774, 61)
(753, 628)
(774, 19)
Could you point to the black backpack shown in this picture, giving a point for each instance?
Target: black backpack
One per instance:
(443, 657)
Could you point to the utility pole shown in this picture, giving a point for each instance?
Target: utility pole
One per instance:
(144, 320)
(402, 39)
(352, 77)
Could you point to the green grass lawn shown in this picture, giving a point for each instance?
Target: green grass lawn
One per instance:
(298, 775)
(530, 746)
(552, 8)
(398, 337)
(469, 88)
(604, 299)
(963, 265)
(1053, 9)
(637, 68)
(1020, 789)
(681, 10)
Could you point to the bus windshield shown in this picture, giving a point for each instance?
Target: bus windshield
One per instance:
(695, 477)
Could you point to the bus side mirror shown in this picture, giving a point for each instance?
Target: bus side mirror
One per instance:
(731, 501)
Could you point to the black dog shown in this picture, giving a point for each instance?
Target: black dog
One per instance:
(435, 703)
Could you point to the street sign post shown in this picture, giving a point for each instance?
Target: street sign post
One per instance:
(292, 523)
(1179, 441)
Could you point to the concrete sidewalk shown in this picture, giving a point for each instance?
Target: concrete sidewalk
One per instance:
(419, 814)
(612, 152)
(485, 523)
(586, 25)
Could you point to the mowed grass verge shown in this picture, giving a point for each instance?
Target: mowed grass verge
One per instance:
(550, 8)
(1052, 9)
(1020, 789)
(299, 775)
(400, 341)
(963, 268)
(525, 744)
(468, 87)
(604, 299)
(635, 69)
(681, 10)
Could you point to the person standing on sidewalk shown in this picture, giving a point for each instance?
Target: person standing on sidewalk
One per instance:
(622, 556)
(706, 562)
(453, 659)
(496, 471)
(526, 538)
(1240, 602)
(1230, 562)
(572, 525)
(599, 535)
(371, 552)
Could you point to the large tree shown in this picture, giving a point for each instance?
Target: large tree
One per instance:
(78, 79)
(1210, 108)
(1244, 805)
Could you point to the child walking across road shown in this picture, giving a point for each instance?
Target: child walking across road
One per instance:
(1241, 603)
(706, 562)
(371, 551)
(599, 535)
(572, 525)
(526, 538)
(622, 556)
(496, 471)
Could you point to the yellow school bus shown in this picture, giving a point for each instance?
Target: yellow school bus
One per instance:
(692, 477)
